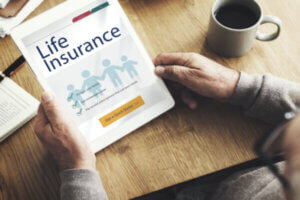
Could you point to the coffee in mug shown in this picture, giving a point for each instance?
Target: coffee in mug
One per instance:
(234, 26)
(236, 16)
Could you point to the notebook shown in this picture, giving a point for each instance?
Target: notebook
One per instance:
(88, 54)
(16, 107)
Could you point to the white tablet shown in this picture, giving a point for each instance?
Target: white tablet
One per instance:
(88, 54)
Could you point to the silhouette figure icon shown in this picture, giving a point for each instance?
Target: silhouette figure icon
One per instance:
(75, 96)
(91, 83)
(128, 65)
(111, 72)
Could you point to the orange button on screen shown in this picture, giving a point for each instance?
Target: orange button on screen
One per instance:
(122, 111)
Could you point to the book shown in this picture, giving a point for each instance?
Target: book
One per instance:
(16, 107)
(88, 54)
(7, 24)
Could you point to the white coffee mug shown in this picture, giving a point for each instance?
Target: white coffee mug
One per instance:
(230, 42)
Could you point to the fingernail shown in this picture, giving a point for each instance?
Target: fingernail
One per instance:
(46, 97)
(159, 70)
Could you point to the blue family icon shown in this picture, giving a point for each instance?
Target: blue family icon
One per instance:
(75, 96)
(111, 71)
(128, 65)
(91, 83)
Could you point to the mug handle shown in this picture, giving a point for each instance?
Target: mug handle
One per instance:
(272, 36)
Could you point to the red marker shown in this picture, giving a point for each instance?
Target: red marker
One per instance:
(83, 15)
(87, 13)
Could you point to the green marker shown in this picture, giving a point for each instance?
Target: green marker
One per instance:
(100, 7)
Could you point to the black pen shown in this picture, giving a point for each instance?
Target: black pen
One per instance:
(13, 67)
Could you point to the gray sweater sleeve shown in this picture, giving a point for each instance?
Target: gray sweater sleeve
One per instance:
(266, 97)
(81, 184)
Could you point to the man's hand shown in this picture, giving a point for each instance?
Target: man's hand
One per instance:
(197, 74)
(292, 154)
(61, 137)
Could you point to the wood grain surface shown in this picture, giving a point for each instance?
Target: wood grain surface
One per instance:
(181, 144)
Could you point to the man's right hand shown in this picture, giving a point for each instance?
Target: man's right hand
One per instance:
(197, 74)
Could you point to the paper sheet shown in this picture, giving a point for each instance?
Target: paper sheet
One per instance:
(7, 24)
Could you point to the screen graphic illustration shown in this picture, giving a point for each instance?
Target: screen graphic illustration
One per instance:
(92, 84)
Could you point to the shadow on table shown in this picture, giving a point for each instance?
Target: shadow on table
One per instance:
(203, 187)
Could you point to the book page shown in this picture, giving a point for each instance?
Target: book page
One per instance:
(16, 107)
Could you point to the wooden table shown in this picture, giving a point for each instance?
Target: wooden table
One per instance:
(181, 144)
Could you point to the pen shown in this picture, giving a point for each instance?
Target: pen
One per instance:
(12, 68)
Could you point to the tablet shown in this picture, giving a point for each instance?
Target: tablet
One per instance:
(88, 54)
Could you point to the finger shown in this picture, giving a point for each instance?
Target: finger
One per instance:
(173, 59)
(52, 110)
(41, 116)
(175, 73)
(174, 85)
(46, 135)
(291, 144)
(292, 155)
(187, 98)
(41, 120)
(42, 127)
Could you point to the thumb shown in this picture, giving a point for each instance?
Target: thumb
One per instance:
(52, 109)
(174, 73)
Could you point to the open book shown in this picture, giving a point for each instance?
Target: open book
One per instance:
(88, 54)
(16, 107)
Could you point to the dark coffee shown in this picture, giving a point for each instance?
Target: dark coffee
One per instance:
(236, 16)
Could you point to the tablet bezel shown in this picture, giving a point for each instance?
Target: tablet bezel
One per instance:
(65, 9)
